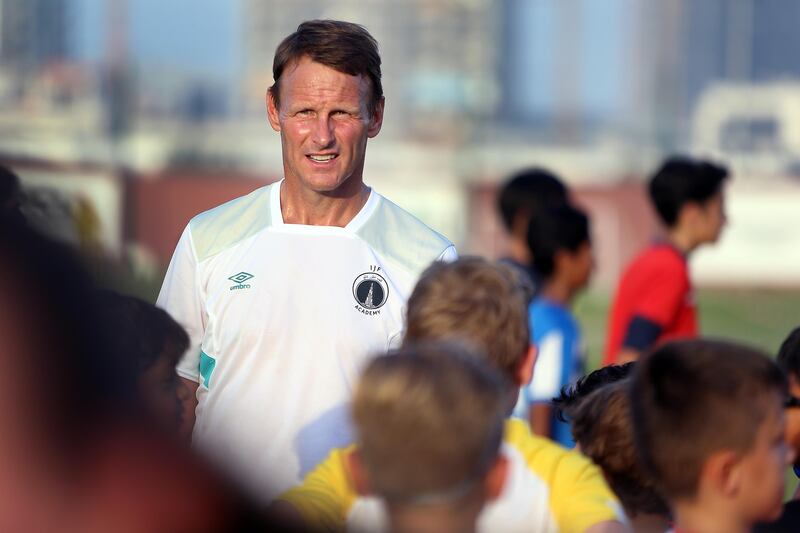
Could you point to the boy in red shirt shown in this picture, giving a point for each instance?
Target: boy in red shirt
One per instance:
(654, 301)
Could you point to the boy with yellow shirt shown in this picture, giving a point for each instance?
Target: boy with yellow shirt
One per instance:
(547, 487)
(429, 422)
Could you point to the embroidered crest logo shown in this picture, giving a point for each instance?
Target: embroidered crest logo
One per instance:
(370, 291)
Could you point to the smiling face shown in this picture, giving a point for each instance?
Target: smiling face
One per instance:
(324, 122)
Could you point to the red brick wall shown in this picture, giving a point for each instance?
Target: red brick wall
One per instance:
(158, 208)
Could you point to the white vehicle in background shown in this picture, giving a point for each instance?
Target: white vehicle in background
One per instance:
(754, 129)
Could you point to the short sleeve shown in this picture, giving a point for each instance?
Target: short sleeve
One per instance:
(448, 255)
(663, 294)
(180, 296)
(547, 372)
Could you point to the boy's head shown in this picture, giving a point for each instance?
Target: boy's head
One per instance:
(601, 426)
(524, 194)
(688, 194)
(571, 396)
(560, 242)
(479, 302)
(150, 343)
(789, 361)
(709, 425)
(429, 419)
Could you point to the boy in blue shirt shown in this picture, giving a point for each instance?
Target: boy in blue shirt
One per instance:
(562, 253)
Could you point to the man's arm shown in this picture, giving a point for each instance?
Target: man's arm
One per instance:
(188, 397)
(180, 297)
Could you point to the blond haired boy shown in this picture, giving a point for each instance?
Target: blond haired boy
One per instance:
(548, 488)
(429, 420)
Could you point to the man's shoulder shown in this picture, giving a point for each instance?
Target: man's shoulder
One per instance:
(225, 225)
(401, 237)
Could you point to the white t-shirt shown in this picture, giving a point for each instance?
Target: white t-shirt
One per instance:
(282, 317)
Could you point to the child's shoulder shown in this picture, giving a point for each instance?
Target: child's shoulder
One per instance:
(656, 258)
(548, 315)
(543, 456)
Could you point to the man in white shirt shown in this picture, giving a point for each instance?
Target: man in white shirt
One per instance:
(288, 291)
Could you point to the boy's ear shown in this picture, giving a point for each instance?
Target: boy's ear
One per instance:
(689, 213)
(495, 479)
(525, 366)
(722, 472)
(358, 473)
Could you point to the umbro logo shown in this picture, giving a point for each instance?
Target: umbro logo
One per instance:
(240, 279)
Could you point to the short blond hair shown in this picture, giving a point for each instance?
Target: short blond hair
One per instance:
(482, 302)
(429, 420)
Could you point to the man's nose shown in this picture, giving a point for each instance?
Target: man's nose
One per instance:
(322, 134)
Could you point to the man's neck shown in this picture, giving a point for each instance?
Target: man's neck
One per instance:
(432, 519)
(699, 518)
(337, 208)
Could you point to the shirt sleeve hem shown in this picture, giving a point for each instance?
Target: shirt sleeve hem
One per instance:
(192, 376)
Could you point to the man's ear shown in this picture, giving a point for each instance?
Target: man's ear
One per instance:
(376, 118)
(722, 473)
(525, 366)
(495, 479)
(272, 111)
(358, 473)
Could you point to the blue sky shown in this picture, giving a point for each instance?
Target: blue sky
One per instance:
(197, 35)
(203, 36)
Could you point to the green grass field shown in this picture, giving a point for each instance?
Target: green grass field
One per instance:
(759, 317)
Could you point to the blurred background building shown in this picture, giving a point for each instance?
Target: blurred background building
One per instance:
(125, 118)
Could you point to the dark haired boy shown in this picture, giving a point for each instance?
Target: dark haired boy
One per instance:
(654, 301)
(562, 254)
(149, 343)
(571, 396)
(709, 422)
(598, 409)
(789, 361)
(521, 197)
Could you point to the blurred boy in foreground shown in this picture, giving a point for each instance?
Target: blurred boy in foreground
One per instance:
(429, 420)
(709, 422)
(146, 339)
